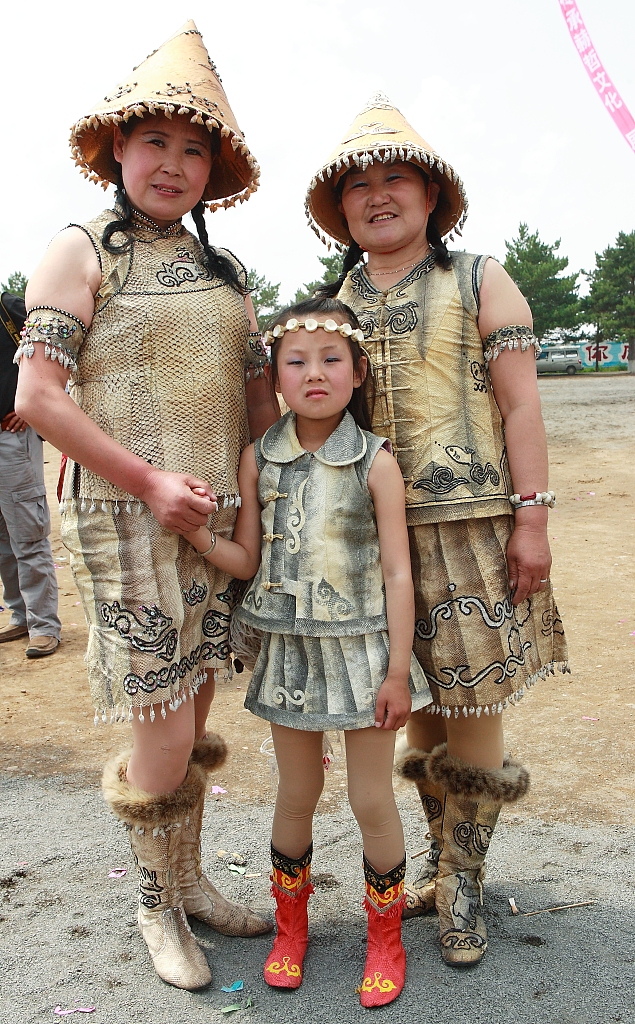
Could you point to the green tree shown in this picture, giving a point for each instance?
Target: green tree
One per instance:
(16, 283)
(332, 270)
(535, 267)
(610, 304)
(265, 297)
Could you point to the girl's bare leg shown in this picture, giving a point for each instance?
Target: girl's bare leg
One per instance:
(369, 760)
(301, 780)
(202, 703)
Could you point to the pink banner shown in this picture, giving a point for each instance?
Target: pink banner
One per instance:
(607, 92)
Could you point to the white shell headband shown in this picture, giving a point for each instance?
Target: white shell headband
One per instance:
(330, 326)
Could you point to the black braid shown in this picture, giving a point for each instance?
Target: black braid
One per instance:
(122, 225)
(439, 248)
(219, 266)
(351, 259)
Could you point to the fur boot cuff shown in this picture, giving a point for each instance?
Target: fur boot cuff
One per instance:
(136, 807)
(498, 785)
(210, 752)
(412, 764)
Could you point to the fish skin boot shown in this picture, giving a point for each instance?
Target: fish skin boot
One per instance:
(474, 797)
(201, 898)
(291, 888)
(419, 895)
(385, 967)
(154, 823)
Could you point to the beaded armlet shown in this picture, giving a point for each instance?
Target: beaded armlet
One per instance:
(255, 356)
(515, 336)
(60, 332)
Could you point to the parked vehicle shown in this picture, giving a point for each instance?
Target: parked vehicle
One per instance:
(559, 359)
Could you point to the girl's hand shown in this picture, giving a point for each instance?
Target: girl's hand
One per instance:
(174, 503)
(394, 703)
(528, 560)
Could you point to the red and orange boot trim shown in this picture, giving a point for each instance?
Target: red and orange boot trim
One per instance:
(385, 968)
(291, 888)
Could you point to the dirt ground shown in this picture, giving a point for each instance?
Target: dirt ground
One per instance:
(574, 731)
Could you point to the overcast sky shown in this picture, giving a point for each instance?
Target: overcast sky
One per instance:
(495, 86)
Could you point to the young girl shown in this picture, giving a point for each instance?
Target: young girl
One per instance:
(333, 597)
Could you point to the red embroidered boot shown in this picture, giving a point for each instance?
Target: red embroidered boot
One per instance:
(291, 889)
(385, 968)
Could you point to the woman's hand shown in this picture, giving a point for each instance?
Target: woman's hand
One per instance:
(528, 560)
(394, 703)
(180, 502)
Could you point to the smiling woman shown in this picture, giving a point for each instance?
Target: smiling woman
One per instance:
(449, 337)
(150, 329)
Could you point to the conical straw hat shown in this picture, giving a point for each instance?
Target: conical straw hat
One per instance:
(380, 132)
(178, 78)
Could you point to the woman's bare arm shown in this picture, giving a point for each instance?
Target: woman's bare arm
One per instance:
(262, 405)
(515, 386)
(68, 279)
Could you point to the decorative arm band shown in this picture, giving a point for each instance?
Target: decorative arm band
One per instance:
(60, 332)
(537, 498)
(515, 336)
(255, 356)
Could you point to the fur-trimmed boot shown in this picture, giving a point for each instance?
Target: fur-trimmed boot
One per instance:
(385, 967)
(201, 898)
(154, 822)
(474, 797)
(419, 895)
(291, 888)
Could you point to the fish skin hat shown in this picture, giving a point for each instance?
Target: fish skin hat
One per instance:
(380, 132)
(178, 78)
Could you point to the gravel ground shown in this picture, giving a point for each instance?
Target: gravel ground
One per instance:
(68, 938)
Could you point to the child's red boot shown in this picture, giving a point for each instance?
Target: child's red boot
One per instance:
(385, 968)
(291, 888)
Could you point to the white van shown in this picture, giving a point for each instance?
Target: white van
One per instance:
(559, 359)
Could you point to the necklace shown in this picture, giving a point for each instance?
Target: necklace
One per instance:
(146, 222)
(397, 270)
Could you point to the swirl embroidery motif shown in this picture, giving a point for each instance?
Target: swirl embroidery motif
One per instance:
(149, 888)
(398, 319)
(181, 271)
(473, 838)
(195, 595)
(279, 696)
(337, 605)
(478, 373)
(296, 519)
(149, 633)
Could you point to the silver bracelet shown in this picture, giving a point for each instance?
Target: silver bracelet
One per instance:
(211, 547)
(537, 498)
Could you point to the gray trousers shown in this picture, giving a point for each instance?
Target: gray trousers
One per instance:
(26, 561)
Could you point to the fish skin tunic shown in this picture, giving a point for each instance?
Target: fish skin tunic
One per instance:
(436, 403)
(161, 370)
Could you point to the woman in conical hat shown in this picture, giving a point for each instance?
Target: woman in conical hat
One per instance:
(450, 337)
(154, 331)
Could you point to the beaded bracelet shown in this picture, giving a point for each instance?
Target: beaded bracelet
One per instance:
(210, 548)
(537, 498)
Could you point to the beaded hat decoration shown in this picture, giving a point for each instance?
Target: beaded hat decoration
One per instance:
(178, 78)
(380, 133)
(310, 325)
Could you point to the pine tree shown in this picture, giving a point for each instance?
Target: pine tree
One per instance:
(332, 270)
(534, 266)
(16, 283)
(610, 303)
(265, 297)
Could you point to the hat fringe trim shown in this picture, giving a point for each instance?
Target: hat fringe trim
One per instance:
(385, 153)
(94, 121)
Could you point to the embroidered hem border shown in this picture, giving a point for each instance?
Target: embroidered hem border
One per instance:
(498, 708)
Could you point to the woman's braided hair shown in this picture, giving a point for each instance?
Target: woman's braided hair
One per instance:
(218, 265)
(354, 252)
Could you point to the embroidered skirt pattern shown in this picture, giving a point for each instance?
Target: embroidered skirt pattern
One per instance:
(479, 652)
(320, 683)
(157, 613)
